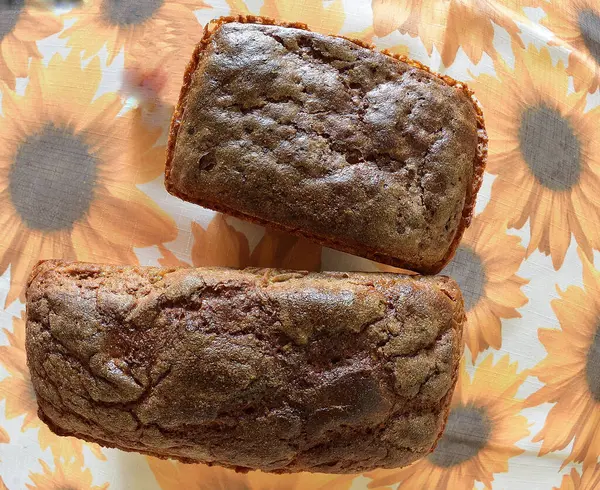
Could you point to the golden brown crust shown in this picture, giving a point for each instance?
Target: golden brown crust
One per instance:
(240, 369)
(345, 245)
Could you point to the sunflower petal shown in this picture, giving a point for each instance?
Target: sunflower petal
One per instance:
(132, 221)
(15, 55)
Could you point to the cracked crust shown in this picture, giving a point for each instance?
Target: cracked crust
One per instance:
(254, 369)
(323, 137)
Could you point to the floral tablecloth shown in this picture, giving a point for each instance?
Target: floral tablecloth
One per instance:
(86, 92)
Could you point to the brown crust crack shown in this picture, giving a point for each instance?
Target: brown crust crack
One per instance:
(343, 245)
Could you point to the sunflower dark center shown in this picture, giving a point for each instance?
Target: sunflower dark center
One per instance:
(129, 12)
(468, 271)
(467, 432)
(52, 179)
(592, 366)
(589, 26)
(550, 148)
(9, 15)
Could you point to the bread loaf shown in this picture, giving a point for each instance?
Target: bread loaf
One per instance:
(326, 138)
(250, 369)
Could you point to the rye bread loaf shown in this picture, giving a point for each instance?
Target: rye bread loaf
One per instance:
(324, 137)
(250, 369)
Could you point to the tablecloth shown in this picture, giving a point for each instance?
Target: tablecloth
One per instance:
(86, 92)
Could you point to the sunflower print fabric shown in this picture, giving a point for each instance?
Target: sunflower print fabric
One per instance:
(87, 89)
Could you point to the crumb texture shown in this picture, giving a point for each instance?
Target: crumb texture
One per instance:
(254, 369)
(324, 137)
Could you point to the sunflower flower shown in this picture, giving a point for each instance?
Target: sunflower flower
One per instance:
(571, 375)
(22, 23)
(449, 25)
(545, 152)
(483, 426)
(69, 165)
(155, 35)
(485, 266)
(576, 23)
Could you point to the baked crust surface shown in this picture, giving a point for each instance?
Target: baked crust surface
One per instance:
(324, 137)
(254, 369)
